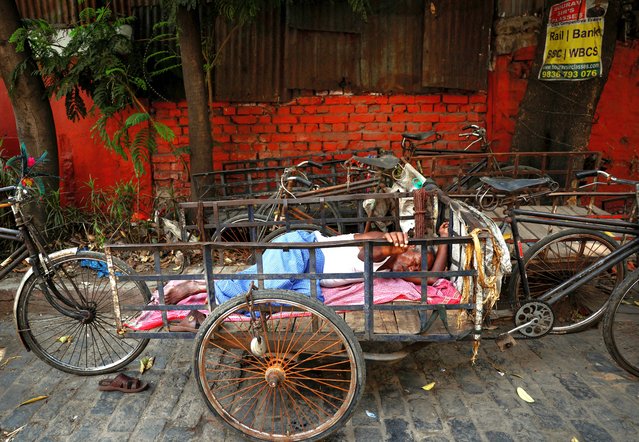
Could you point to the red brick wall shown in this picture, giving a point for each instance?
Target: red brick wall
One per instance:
(319, 123)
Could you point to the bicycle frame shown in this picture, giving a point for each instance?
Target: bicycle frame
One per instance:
(19, 255)
(32, 248)
(587, 274)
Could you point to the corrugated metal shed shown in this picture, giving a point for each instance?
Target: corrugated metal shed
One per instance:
(249, 67)
(404, 46)
(456, 44)
(514, 8)
(391, 57)
(64, 12)
(322, 46)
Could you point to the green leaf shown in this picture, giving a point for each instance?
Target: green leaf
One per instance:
(137, 118)
(164, 131)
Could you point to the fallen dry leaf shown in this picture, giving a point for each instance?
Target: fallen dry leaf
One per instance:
(65, 339)
(146, 363)
(428, 387)
(4, 363)
(32, 400)
(9, 435)
(524, 396)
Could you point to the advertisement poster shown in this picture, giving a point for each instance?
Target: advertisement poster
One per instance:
(573, 40)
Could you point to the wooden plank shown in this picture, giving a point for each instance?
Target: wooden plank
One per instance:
(386, 322)
(407, 322)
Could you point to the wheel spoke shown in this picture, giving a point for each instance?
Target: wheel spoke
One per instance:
(296, 388)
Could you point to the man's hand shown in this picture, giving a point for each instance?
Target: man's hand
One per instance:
(397, 239)
(443, 230)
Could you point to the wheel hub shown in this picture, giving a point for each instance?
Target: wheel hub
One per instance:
(275, 375)
(88, 314)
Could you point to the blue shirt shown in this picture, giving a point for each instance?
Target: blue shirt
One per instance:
(278, 261)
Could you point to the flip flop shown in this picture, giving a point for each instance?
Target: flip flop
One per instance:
(123, 383)
(189, 324)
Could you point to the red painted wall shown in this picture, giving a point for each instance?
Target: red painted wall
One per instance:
(8, 132)
(615, 131)
(81, 157)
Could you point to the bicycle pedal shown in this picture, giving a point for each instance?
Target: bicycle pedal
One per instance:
(505, 341)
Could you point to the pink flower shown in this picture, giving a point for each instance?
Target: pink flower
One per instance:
(31, 161)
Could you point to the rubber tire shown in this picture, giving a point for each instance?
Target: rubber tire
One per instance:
(547, 242)
(325, 316)
(219, 234)
(294, 227)
(333, 213)
(629, 286)
(43, 346)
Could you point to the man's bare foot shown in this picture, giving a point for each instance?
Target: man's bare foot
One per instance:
(183, 290)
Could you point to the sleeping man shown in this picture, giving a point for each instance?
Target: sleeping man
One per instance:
(397, 256)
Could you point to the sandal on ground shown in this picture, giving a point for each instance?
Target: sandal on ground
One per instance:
(189, 324)
(123, 383)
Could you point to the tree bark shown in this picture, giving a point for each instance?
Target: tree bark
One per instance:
(31, 107)
(558, 115)
(200, 140)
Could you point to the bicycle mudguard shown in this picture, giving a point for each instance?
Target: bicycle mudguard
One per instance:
(66, 252)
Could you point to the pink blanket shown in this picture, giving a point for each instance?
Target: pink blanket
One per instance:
(384, 291)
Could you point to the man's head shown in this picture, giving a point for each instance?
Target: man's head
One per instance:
(411, 260)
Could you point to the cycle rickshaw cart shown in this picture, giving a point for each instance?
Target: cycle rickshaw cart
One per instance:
(277, 364)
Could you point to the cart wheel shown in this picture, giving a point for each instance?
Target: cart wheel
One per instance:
(541, 316)
(296, 372)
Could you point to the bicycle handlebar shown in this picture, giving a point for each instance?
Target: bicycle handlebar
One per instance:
(299, 179)
(309, 163)
(8, 189)
(586, 174)
(609, 178)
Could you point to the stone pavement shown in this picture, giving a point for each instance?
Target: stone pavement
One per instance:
(578, 391)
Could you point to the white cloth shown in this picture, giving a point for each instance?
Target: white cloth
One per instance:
(342, 260)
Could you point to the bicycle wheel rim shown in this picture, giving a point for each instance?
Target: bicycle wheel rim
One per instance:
(84, 347)
(252, 232)
(561, 256)
(319, 379)
(621, 325)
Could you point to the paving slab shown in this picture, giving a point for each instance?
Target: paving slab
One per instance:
(579, 393)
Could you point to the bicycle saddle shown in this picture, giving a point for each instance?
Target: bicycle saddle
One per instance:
(385, 162)
(420, 136)
(507, 184)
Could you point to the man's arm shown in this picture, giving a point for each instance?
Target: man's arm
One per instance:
(398, 244)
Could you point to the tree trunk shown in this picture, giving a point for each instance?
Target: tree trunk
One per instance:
(200, 140)
(558, 115)
(31, 107)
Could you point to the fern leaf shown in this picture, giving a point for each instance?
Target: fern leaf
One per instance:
(164, 131)
(136, 118)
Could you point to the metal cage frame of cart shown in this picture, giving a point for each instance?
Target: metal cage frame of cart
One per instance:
(275, 337)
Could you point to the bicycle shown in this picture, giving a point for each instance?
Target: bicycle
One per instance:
(619, 326)
(64, 308)
(460, 171)
(573, 272)
(268, 214)
(273, 217)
